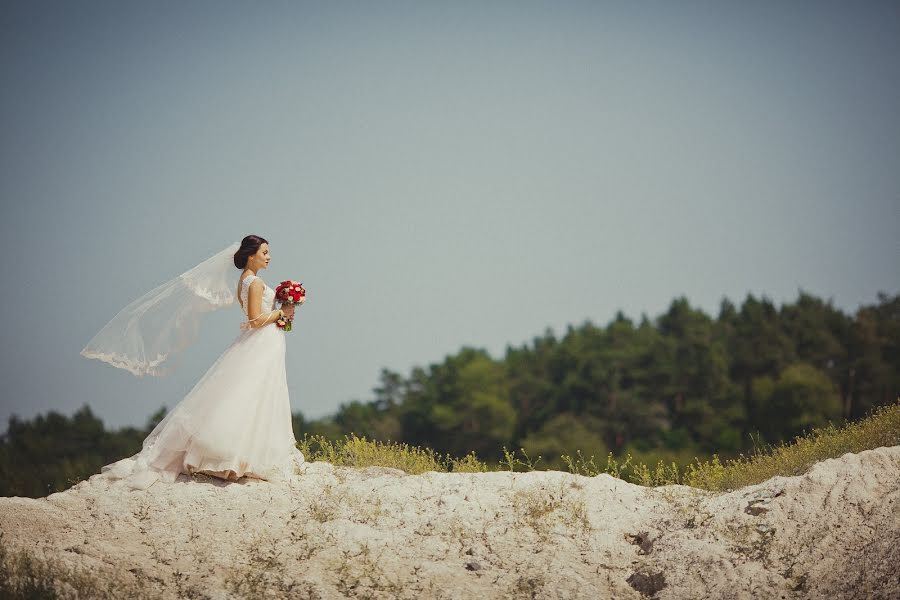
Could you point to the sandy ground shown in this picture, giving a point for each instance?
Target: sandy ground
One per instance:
(334, 532)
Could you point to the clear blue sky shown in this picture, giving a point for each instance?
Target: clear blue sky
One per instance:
(437, 174)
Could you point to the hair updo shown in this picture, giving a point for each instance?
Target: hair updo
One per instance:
(249, 246)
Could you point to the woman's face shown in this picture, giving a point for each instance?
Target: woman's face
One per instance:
(260, 260)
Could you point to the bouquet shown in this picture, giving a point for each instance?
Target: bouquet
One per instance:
(289, 292)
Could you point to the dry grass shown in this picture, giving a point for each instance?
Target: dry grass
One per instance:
(362, 575)
(353, 451)
(260, 572)
(542, 507)
(880, 428)
(28, 575)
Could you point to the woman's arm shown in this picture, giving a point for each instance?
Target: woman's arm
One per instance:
(257, 318)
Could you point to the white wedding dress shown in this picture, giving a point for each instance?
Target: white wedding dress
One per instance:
(235, 422)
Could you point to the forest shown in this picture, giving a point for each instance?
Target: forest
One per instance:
(683, 386)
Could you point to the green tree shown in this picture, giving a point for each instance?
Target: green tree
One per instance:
(702, 399)
(802, 397)
(873, 375)
(50, 453)
(476, 413)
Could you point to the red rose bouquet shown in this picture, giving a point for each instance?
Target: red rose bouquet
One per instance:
(289, 292)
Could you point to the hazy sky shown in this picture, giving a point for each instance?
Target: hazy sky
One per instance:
(437, 174)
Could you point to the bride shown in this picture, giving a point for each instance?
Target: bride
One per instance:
(236, 420)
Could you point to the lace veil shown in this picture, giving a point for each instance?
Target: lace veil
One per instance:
(146, 337)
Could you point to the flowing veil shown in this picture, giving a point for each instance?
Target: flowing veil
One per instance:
(147, 336)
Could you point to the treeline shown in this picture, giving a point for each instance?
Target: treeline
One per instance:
(681, 386)
(51, 453)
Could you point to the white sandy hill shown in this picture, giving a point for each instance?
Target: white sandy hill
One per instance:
(333, 532)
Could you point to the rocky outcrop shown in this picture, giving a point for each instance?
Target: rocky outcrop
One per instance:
(334, 532)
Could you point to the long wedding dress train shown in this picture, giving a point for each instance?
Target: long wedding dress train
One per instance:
(235, 422)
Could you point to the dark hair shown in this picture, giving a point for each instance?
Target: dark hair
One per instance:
(249, 246)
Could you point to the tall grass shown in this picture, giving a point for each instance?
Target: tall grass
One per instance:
(881, 427)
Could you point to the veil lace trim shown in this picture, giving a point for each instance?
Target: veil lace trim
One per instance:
(147, 336)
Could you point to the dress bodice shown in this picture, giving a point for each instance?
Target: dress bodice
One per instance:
(268, 297)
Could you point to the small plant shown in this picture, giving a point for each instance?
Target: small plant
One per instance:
(324, 506)
(468, 464)
(587, 467)
(662, 475)
(510, 460)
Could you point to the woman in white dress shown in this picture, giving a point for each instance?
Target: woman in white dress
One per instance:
(236, 420)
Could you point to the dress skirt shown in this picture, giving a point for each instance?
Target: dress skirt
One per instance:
(235, 422)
